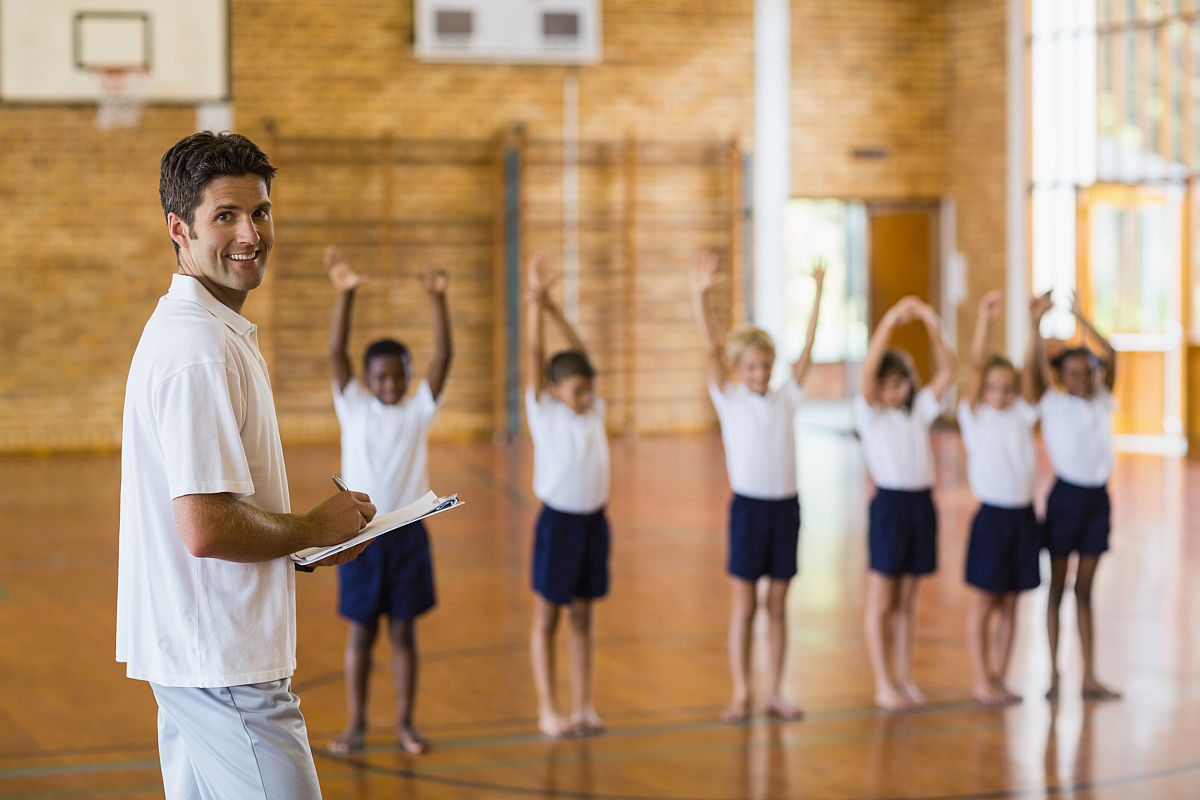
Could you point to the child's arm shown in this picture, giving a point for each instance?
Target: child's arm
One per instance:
(535, 369)
(989, 309)
(943, 354)
(1038, 307)
(435, 282)
(346, 281)
(574, 340)
(802, 365)
(898, 314)
(1110, 355)
(1038, 375)
(704, 280)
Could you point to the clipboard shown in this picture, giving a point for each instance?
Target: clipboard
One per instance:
(428, 506)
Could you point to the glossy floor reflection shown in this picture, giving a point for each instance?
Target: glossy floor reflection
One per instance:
(74, 727)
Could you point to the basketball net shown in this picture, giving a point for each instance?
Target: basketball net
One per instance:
(122, 96)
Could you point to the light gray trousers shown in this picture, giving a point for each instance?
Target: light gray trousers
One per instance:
(234, 743)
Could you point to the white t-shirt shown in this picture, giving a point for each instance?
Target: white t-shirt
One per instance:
(199, 419)
(385, 449)
(570, 454)
(1001, 465)
(1078, 435)
(895, 442)
(760, 438)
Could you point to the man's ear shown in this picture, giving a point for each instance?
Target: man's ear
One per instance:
(179, 231)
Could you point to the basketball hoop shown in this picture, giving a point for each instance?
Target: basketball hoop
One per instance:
(122, 96)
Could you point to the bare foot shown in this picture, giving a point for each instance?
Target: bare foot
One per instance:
(1095, 690)
(1052, 692)
(736, 713)
(348, 741)
(889, 699)
(587, 723)
(916, 698)
(554, 725)
(411, 742)
(990, 695)
(784, 709)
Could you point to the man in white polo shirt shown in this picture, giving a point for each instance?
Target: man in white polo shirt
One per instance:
(206, 604)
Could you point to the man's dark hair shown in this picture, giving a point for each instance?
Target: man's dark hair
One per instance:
(195, 161)
(386, 347)
(898, 362)
(568, 363)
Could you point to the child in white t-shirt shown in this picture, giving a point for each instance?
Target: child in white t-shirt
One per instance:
(571, 478)
(757, 429)
(1077, 428)
(1002, 554)
(893, 419)
(384, 452)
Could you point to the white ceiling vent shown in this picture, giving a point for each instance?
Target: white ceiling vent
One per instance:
(532, 31)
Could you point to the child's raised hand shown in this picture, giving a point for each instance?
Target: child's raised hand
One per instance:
(538, 282)
(991, 305)
(341, 275)
(1039, 304)
(703, 273)
(434, 280)
(1076, 307)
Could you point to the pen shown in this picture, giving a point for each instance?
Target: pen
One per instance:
(339, 484)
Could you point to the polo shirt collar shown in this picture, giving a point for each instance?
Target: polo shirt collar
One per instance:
(185, 287)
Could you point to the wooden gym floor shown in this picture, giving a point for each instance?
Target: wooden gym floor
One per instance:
(72, 726)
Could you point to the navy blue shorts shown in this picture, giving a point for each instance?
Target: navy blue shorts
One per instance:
(570, 556)
(1002, 555)
(763, 537)
(903, 533)
(1078, 519)
(393, 577)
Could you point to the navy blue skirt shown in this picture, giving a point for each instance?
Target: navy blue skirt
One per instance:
(1002, 554)
(763, 537)
(902, 539)
(392, 577)
(570, 556)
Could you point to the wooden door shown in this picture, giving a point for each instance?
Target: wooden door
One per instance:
(902, 259)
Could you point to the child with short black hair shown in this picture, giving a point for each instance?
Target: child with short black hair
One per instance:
(1002, 554)
(385, 435)
(1076, 412)
(758, 433)
(893, 416)
(571, 478)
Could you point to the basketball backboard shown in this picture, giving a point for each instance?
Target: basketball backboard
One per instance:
(51, 51)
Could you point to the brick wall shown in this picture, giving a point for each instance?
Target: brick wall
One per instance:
(85, 254)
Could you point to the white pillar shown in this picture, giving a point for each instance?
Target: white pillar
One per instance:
(772, 160)
(1016, 241)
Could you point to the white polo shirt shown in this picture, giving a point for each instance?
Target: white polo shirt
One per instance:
(1078, 436)
(759, 435)
(199, 419)
(385, 450)
(895, 442)
(1001, 465)
(570, 454)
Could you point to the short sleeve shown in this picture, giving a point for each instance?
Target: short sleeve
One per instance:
(864, 412)
(926, 406)
(1104, 399)
(792, 393)
(719, 400)
(425, 403)
(198, 416)
(1028, 414)
(348, 399)
(966, 420)
(533, 410)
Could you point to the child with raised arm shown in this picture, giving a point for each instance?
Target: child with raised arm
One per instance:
(1002, 554)
(384, 451)
(1077, 428)
(893, 416)
(760, 454)
(571, 478)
